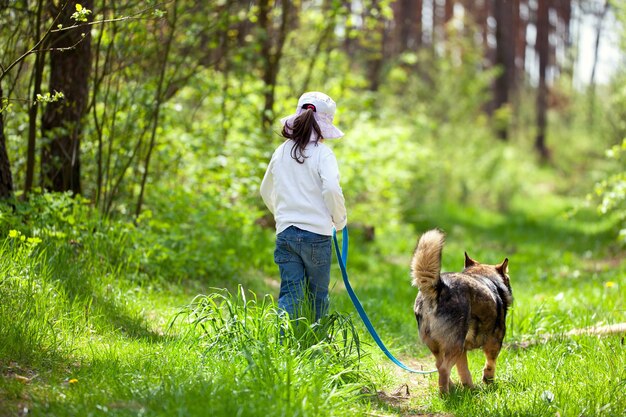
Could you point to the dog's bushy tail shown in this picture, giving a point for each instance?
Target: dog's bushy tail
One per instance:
(426, 263)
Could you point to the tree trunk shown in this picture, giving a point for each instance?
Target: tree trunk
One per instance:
(480, 11)
(40, 62)
(564, 12)
(271, 59)
(521, 22)
(505, 56)
(596, 54)
(70, 64)
(374, 44)
(6, 179)
(416, 28)
(448, 11)
(542, 46)
(348, 42)
(408, 25)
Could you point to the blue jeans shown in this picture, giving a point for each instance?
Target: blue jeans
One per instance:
(303, 259)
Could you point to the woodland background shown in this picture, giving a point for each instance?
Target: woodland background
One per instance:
(133, 139)
(148, 87)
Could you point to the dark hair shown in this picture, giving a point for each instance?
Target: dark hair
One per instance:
(300, 132)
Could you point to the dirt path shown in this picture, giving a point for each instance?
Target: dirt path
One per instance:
(409, 387)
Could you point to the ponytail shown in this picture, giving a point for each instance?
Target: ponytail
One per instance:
(300, 132)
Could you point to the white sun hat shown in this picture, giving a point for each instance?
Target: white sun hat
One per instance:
(324, 108)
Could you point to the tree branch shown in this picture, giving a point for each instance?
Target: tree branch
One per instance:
(34, 49)
(113, 20)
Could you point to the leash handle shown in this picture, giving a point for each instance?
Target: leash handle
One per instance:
(342, 258)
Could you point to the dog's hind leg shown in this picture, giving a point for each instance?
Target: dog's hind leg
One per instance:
(463, 370)
(492, 350)
(445, 362)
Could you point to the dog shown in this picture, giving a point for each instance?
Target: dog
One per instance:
(459, 311)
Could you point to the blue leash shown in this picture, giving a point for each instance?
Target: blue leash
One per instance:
(343, 261)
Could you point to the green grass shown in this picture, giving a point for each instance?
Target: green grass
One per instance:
(571, 376)
(80, 338)
(85, 332)
(240, 369)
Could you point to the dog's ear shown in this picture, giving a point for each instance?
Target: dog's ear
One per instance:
(503, 268)
(469, 261)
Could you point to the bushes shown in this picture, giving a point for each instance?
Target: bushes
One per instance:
(189, 237)
(611, 192)
(199, 236)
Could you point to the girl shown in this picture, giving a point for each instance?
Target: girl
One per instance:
(301, 189)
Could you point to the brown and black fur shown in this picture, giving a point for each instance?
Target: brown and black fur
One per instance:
(459, 311)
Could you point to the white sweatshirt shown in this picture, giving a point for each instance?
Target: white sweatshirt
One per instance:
(306, 195)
